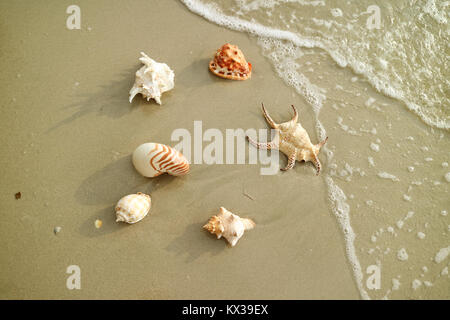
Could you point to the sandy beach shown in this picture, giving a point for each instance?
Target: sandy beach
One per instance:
(68, 132)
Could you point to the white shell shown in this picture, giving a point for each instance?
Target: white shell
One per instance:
(152, 159)
(228, 225)
(133, 207)
(152, 79)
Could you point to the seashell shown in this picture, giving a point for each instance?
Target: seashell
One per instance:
(152, 159)
(152, 79)
(293, 140)
(229, 63)
(228, 225)
(98, 223)
(133, 207)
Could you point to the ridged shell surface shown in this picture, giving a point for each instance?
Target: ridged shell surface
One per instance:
(229, 63)
(133, 207)
(152, 159)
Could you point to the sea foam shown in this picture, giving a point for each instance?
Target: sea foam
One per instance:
(420, 89)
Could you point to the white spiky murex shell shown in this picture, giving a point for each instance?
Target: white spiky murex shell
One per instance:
(152, 79)
(152, 159)
(228, 225)
(133, 207)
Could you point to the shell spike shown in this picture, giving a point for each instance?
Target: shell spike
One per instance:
(133, 92)
(268, 118)
(317, 164)
(320, 145)
(295, 118)
(143, 54)
(248, 223)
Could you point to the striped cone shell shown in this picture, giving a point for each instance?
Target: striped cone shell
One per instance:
(152, 159)
(133, 207)
(229, 63)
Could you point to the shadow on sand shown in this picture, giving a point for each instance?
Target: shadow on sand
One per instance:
(107, 186)
(194, 243)
(109, 100)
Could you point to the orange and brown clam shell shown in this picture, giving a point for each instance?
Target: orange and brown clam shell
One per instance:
(229, 63)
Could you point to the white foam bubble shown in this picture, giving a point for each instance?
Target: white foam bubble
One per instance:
(375, 147)
(385, 175)
(342, 210)
(441, 255)
(402, 255)
(447, 176)
(336, 12)
(416, 284)
(346, 128)
(369, 102)
(420, 235)
(383, 63)
(437, 14)
(395, 284)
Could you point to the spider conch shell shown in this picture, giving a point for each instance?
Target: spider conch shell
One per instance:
(133, 207)
(229, 63)
(152, 79)
(228, 225)
(293, 140)
(152, 159)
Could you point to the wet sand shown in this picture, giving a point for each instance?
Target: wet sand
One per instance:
(68, 132)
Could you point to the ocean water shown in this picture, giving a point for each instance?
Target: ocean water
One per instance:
(375, 73)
